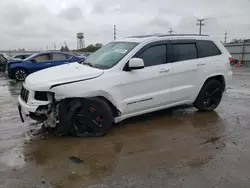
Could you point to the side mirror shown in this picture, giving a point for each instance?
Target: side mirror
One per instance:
(135, 63)
(33, 61)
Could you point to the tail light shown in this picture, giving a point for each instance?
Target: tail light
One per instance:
(231, 60)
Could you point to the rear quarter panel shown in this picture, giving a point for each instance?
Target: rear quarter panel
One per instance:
(223, 66)
(218, 66)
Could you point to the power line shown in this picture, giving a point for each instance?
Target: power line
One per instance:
(170, 31)
(200, 24)
(114, 32)
(225, 38)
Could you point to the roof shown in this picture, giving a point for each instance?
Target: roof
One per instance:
(54, 51)
(145, 38)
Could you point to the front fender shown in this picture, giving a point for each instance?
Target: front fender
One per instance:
(63, 92)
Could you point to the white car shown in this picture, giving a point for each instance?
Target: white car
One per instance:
(128, 78)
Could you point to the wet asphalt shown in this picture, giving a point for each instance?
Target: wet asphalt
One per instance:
(176, 148)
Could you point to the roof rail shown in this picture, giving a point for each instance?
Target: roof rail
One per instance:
(164, 35)
(168, 35)
(142, 36)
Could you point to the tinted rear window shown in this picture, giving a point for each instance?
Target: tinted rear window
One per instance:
(207, 48)
(184, 52)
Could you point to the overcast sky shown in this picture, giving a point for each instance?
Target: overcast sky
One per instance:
(33, 24)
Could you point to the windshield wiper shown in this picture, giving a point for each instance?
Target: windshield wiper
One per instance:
(89, 64)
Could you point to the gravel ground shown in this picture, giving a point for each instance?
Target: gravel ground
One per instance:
(176, 148)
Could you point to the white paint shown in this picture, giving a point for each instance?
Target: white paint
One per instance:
(159, 86)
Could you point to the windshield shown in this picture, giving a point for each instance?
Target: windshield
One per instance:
(109, 55)
(30, 57)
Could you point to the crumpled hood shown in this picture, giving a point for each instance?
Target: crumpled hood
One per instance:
(44, 79)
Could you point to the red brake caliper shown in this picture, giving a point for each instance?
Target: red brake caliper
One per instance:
(93, 109)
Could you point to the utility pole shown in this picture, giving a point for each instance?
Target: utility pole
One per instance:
(47, 48)
(170, 31)
(200, 24)
(54, 46)
(225, 38)
(114, 32)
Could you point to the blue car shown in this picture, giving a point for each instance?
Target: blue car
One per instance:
(19, 69)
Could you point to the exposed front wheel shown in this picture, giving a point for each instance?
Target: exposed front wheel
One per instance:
(210, 96)
(20, 74)
(84, 117)
(93, 118)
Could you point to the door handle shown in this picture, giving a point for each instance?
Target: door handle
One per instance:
(164, 70)
(201, 64)
(48, 64)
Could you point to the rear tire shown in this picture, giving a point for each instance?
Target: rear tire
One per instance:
(20, 74)
(93, 118)
(210, 96)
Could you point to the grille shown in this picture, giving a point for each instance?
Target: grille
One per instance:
(41, 96)
(24, 94)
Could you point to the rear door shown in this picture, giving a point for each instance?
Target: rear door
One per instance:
(59, 59)
(188, 71)
(209, 52)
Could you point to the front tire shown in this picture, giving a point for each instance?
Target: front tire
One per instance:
(93, 119)
(210, 96)
(20, 74)
(83, 117)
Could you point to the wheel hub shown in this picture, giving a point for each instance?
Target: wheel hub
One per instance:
(88, 121)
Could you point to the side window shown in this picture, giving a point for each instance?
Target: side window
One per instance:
(184, 52)
(207, 48)
(41, 58)
(59, 56)
(155, 55)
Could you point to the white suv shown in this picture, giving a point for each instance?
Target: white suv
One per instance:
(126, 78)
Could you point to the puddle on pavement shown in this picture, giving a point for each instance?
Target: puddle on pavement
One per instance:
(159, 139)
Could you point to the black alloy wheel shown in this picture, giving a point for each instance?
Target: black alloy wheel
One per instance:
(92, 119)
(20, 74)
(210, 96)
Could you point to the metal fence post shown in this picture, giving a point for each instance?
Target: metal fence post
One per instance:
(243, 50)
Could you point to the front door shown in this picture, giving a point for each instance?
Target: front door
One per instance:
(147, 88)
(40, 62)
(188, 71)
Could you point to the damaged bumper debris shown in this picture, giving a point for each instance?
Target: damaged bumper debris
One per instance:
(75, 116)
(58, 115)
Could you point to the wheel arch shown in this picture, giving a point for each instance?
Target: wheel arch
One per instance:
(218, 77)
(23, 68)
(107, 97)
(114, 109)
(14, 69)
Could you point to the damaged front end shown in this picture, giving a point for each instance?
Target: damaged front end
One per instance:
(57, 114)
(76, 116)
(47, 114)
